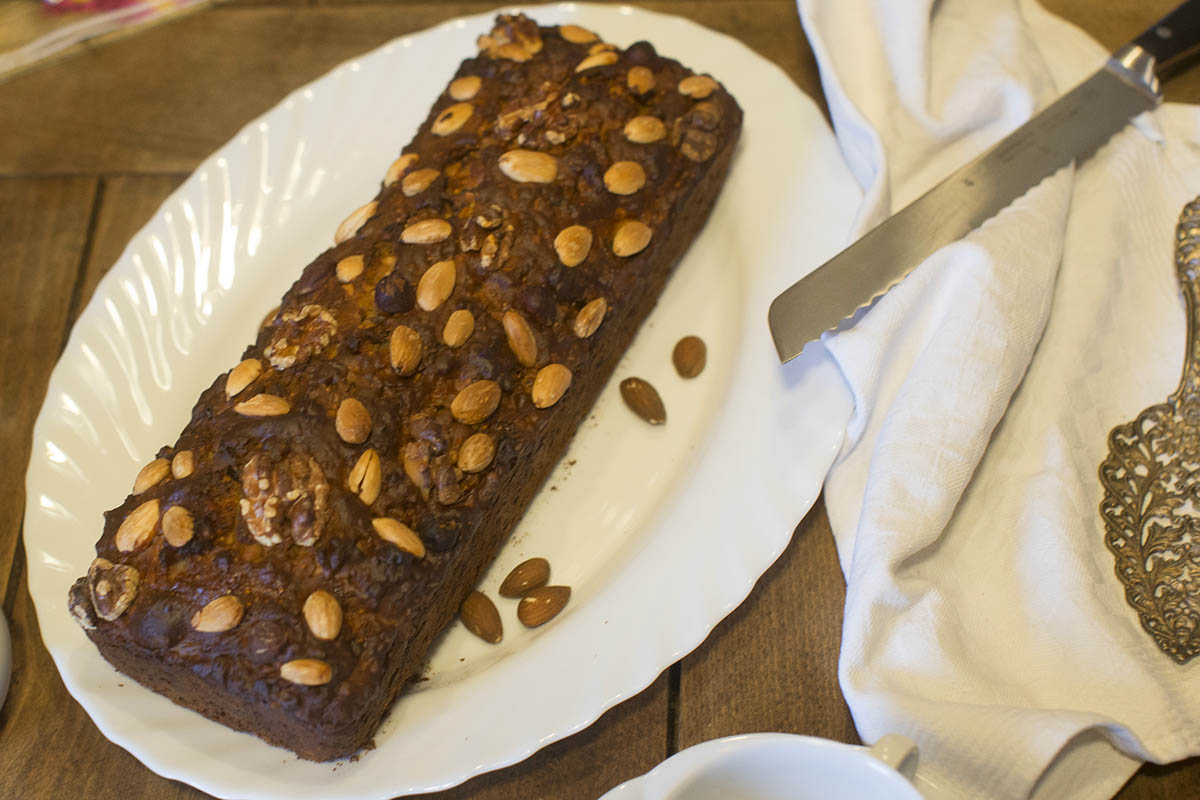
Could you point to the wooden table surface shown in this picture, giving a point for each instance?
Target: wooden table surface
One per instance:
(91, 145)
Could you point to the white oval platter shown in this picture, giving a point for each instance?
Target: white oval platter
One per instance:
(661, 531)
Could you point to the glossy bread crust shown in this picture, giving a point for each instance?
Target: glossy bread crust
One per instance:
(556, 175)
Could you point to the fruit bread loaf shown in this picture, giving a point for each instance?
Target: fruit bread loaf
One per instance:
(284, 567)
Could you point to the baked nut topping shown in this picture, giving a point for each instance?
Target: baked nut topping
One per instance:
(640, 80)
(353, 421)
(513, 52)
(398, 167)
(572, 244)
(366, 477)
(550, 385)
(476, 402)
(603, 58)
(137, 529)
(352, 224)
(263, 405)
(112, 587)
(323, 614)
(220, 615)
(306, 672)
(284, 494)
(427, 231)
(418, 181)
(436, 285)
(631, 238)
(149, 475)
(177, 526)
(399, 534)
(575, 34)
(697, 86)
(645, 129)
(520, 338)
(465, 88)
(183, 464)
(476, 453)
(405, 349)
(529, 166)
(300, 335)
(589, 317)
(242, 376)
(459, 327)
(349, 268)
(625, 177)
(452, 119)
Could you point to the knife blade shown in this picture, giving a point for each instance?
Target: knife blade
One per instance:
(1071, 128)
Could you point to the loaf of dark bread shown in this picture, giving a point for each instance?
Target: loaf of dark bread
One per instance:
(285, 566)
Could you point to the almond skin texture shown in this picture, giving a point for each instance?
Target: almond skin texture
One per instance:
(590, 317)
(366, 477)
(476, 402)
(479, 615)
(400, 166)
(465, 88)
(323, 614)
(138, 528)
(550, 385)
(306, 672)
(242, 376)
(640, 80)
(539, 606)
(263, 405)
(399, 534)
(643, 400)
(183, 464)
(476, 453)
(150, 475)
(352, 224)
(631, 238)
(436, 285)
(520, 338)
(177, 526)
(353, 421)
(689, 356)
(405, 350)
(529, 166)
(220, 615)
(525, 577)
(572, 245)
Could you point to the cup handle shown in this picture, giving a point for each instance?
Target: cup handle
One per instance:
(898, 752)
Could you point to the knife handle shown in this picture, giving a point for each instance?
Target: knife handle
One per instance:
(1173, 38)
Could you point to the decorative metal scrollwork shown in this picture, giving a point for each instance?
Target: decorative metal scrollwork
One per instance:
(1151, 480)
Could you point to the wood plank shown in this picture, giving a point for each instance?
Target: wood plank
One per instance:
(772, 664)
(44, 225)
(201, 78)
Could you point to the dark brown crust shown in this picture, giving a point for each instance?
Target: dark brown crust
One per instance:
(396, 604)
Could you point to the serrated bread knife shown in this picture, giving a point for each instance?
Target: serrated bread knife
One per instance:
(1072, 128)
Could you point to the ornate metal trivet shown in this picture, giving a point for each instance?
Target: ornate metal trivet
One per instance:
(1151, 480)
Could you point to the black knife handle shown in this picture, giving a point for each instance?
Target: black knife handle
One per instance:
(1174, 37)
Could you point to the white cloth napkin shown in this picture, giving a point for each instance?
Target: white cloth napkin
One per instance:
(983, 615)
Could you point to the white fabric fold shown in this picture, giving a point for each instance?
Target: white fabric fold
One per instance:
(983, 615)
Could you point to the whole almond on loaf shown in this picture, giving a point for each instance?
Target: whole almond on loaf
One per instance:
(349, 478)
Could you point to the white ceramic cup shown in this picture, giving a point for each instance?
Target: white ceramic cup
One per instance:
(780, 766)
